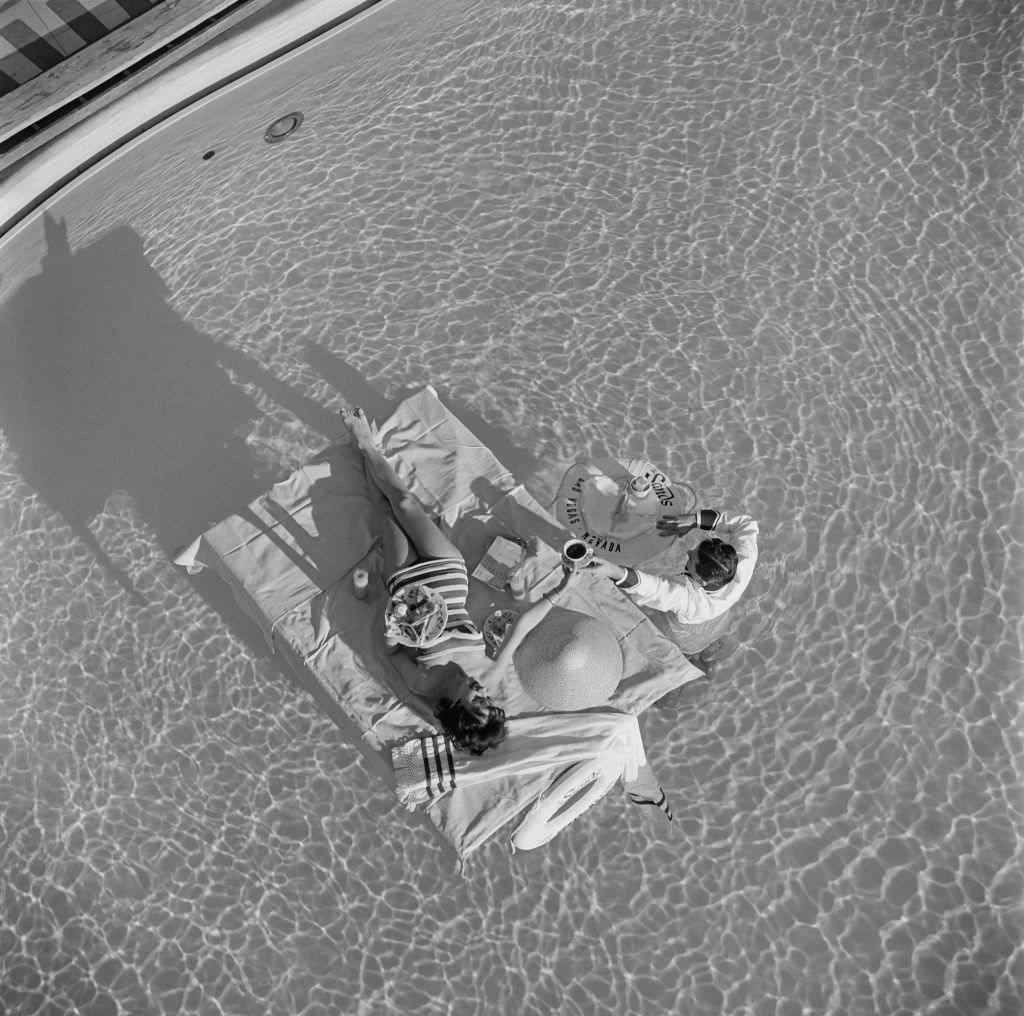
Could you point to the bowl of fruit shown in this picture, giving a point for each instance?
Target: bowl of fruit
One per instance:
(415, 616)
(496, 629)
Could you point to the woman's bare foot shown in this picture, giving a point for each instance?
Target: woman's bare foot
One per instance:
(363, 436)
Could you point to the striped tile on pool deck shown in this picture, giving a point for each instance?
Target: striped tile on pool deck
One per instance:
(35, 36)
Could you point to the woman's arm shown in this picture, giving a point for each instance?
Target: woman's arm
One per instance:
(530, 618)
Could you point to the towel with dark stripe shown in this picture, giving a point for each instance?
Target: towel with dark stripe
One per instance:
(429, 767)
(433, 755)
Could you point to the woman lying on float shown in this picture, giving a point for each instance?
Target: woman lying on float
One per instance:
(425, 568)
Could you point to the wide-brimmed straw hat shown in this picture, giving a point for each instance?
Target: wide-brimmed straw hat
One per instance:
(569, 661)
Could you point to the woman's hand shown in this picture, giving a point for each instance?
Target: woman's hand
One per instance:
(531, 617)
(569, 579)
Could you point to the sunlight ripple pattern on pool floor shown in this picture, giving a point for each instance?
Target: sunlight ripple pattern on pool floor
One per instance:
(764, 245)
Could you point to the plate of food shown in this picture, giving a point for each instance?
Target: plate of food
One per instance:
(497, 627)
(415, 616)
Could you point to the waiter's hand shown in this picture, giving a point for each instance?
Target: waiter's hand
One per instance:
(607, 570)
(676, 525)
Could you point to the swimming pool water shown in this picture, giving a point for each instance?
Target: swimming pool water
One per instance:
(773, 247)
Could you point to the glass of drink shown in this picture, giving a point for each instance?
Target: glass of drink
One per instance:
(640, 486)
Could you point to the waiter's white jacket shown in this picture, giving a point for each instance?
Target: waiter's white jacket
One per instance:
(686, 601)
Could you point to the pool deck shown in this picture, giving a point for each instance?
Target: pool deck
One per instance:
(97, 74)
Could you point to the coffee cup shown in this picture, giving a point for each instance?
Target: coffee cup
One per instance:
(576, 555)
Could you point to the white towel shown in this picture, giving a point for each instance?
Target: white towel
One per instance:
(428, 767)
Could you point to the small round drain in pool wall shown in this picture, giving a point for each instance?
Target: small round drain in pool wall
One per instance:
(282, 127)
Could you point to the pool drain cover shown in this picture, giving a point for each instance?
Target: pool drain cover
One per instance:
(282, 127)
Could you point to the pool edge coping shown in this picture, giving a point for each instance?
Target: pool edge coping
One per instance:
(56, 164)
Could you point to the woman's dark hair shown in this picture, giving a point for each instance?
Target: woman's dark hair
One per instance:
(716, 563)
(467, 730)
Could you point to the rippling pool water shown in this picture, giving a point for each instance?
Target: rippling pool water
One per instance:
(775, 247)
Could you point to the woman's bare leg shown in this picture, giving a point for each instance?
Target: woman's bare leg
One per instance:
(398, 551)
(419, 529)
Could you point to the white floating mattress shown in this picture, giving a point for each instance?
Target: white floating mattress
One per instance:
(289, 557)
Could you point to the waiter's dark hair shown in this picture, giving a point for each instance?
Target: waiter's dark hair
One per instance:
(716, 563)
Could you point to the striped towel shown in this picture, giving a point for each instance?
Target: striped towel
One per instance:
(428, 767)
(428, 761)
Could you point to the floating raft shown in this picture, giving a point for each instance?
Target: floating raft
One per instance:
(289, 558)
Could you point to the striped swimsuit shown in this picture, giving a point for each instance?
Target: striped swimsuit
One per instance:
(447, 576)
